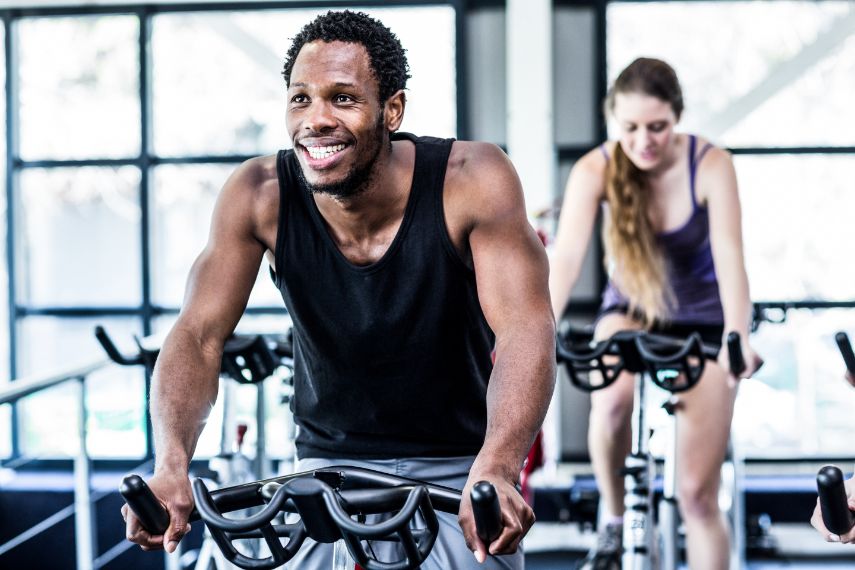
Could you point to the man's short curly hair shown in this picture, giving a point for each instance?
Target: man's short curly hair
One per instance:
(385, 53)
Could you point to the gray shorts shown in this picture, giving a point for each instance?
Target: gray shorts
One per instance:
(449, 551)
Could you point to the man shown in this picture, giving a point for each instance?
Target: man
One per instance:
(402, 262)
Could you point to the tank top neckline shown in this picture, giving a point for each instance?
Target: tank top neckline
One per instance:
(320, 224)
(693, 166)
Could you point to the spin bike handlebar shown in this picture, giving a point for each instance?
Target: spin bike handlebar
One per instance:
(836, 515)
(674, 364)
(246, 358)
(326, 500)
(833, 503)
(845, 347)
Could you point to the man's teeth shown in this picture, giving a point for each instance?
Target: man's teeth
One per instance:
(317, 152)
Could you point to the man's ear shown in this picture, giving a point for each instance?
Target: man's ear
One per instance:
(393, 110)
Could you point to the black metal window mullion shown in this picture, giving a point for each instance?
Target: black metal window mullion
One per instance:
(460, 68)
(144, 164)
(145, 93)
(12, 134)
(601, 54)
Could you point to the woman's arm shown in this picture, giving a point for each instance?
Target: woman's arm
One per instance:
(718, 188)
(585, 190)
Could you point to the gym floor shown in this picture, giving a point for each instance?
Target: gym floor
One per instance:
(561, 561)
(554, 546)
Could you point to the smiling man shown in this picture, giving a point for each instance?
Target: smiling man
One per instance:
(403, 261)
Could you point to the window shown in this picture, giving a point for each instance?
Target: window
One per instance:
(778, 97)
(780, 84)
(79, 87)
(79, 236)
(5, 411)
(121, 155)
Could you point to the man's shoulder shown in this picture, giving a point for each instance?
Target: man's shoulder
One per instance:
(257, 172)
(470, 161)
(252, 190)
(481, 182)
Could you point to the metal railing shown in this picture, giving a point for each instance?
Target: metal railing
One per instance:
(84, 522)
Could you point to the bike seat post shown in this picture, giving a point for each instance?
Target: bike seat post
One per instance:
(260, 466)
(638, 516)
(668, 515)
(669, 480)
(640, 430)
(341, 556)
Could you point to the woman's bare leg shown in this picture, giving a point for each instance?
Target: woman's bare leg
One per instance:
(702, 434)
(609, 430)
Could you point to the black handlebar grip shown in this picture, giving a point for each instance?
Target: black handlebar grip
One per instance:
(845, 347)
(111, 350)
(153, 516)
(488, 514)
(734, 354)
(832, 500)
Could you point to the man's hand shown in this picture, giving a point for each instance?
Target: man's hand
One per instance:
(174, 492)
(850, 378)
(816, 519)
(517, 517)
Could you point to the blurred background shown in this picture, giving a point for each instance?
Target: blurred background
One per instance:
(121, 121)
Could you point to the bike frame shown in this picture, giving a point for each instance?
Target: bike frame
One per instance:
(647, 545)
(639, 545)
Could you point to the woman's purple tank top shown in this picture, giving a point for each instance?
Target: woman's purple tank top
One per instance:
(689, 262)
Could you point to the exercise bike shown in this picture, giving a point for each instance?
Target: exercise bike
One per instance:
(246, 359)
(675, 365)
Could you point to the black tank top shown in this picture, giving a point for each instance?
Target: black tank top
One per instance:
(391, 359)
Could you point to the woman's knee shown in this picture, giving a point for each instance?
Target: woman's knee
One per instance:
(611, 412)
(698, 500)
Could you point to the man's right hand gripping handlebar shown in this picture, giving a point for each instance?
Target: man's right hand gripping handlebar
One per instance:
(152, 523)
(498, 520)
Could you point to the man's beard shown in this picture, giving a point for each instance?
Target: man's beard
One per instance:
(357, 180)
(354, 183)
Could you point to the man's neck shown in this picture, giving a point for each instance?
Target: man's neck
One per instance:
(382, 203)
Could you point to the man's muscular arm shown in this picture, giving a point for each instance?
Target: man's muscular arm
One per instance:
(512, 277)
(185, 380)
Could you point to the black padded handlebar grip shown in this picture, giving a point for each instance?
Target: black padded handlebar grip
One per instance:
(144, 504)
(846, 350)
(488, 514)
(734, 354)
(832, 500)
(111, 350)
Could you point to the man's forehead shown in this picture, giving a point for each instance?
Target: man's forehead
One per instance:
(320, 51)
(331, 63)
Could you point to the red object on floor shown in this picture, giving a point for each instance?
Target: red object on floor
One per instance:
(534, 461)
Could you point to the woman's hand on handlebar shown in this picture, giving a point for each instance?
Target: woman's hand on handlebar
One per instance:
(174, 492)
(753, 361)
(517, 517)
(816, 519)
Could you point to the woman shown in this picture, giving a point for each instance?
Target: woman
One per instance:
(674, 256)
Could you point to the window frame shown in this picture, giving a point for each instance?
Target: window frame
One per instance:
(147, 311)
(567, 153)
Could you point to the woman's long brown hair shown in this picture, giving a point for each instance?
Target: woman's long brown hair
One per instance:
(639, 269)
